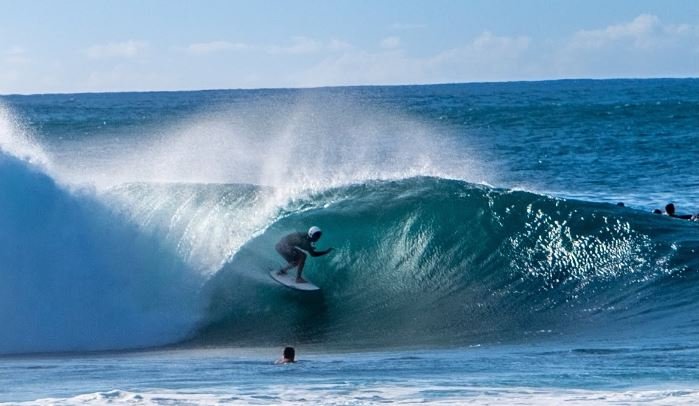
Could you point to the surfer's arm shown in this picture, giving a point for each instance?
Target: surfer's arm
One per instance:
(315, 253)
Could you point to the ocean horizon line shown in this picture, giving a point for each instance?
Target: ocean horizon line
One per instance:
(355, 86)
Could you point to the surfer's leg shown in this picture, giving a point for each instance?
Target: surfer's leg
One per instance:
(301, 263)
(291, 256)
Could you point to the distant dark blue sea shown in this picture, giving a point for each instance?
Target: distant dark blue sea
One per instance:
(494, 243)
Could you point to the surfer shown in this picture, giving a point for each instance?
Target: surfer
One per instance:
(293, 249)
(670, 211)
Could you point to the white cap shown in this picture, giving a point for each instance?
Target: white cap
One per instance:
(313, 231)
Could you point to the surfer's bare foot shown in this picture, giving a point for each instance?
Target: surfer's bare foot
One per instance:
(281, 272)
(300, 280)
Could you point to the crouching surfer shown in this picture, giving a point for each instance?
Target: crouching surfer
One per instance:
(293, 249)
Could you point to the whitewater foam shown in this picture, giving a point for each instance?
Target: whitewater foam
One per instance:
(409, 393)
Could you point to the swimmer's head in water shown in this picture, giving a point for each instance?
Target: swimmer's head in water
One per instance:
(670, 209)
(314, 233)
(289, 353)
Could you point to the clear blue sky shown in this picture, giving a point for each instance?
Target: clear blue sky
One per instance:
(94, 45)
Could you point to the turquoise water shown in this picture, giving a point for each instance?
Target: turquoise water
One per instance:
(535, 372)
(479, 256)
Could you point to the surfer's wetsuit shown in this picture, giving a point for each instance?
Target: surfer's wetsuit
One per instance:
(290, 247)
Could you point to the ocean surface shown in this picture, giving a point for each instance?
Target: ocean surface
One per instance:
(480, 254)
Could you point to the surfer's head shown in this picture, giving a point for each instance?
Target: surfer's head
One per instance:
(314, 233)
(670, 209)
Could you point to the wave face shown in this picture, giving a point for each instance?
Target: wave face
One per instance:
(436, 261)
(422, 260)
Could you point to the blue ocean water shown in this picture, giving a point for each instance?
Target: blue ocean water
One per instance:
(480, 254)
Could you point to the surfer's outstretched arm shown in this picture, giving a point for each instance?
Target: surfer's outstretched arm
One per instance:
(315, 253)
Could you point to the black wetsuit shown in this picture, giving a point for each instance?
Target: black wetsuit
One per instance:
(289, 247)
(682, 216)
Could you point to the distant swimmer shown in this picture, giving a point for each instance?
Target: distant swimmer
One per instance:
(670, 211)
(288, 356)
(293, 249)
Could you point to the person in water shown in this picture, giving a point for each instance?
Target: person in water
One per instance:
(288, 356)
(670, 211)
(293, 249)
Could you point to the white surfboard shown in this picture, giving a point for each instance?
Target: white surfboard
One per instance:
(289, 280)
